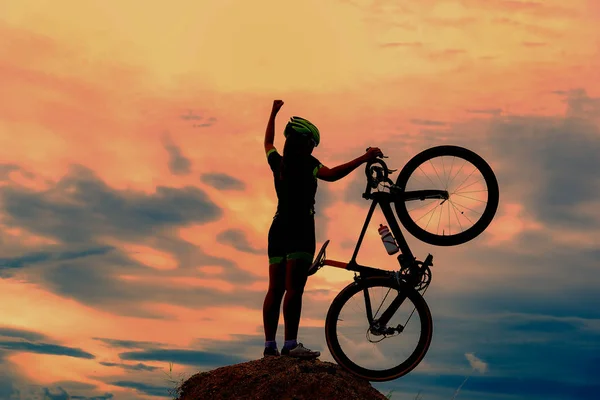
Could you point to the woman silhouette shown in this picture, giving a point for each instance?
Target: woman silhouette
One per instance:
(292, 234)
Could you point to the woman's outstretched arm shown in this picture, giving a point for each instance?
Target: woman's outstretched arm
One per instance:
(270, 132)
(339, 172)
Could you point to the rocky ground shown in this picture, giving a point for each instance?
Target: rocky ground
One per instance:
(278, 378)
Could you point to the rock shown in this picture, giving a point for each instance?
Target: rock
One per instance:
(278, 378)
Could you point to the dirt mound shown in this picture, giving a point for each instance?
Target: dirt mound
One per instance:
(278, 378)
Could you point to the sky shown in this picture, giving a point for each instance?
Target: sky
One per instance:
(135, 196)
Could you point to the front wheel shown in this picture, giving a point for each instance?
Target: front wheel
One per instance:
(372, 351)
(473, 195)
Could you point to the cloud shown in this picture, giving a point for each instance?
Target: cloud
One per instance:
(427, 122)
(210, 122)
(7, 380)
(45, 348)
(80, 207)
(105, 396)
(476, 363)
(186, 357)
(98, 281)
(151, 390)
(178, 163)
(534, 388)
(580, 104)
(130, 367)
(66, 391)
(537, 29)
(127, 344)
(6, 169)
(98, 284)
(556, 159)
(490, 111)
(21, 334)
(50, 394)
(94, 284)
(543, 326)
(237, 239)
(40, 257)
(19, 262)
(222, 181)
(191, 116)
(495, 387)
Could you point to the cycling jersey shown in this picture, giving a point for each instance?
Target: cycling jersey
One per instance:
(296, 191)
(292, 232)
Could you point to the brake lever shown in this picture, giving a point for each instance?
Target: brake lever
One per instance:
(382, 156)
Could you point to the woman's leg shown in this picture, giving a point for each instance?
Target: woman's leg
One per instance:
(299, 259)
(296, 276)
(272, 303)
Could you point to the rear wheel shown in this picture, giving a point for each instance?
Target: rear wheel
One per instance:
(473, 195)
(378, 353)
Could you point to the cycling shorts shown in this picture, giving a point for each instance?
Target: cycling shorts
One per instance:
(292, 238)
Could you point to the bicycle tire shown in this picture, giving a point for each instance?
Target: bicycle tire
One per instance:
(486, 217)
(391, 373)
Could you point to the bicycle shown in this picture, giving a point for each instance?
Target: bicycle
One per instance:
(413, 277)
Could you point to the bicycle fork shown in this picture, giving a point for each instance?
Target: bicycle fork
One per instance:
(379, 326)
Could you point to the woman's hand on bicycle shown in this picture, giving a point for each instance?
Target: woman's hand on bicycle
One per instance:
(372, 153)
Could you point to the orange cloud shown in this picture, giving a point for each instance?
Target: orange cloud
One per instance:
(509, 223)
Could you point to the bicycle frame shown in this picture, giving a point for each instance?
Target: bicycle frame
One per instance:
(406, 258)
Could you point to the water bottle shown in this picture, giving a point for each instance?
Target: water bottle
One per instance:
(388, 240)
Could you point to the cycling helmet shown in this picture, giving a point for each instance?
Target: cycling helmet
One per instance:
(303, 127)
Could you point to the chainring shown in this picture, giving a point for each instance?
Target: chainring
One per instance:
(424, 275)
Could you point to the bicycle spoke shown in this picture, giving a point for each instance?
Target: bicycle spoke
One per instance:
(475, 169)
(463, 206)
(476, 191)
(426, 213)
(436, 173)
(418, 208)
(451, 165)
(461, 167)
(458, 207)
(462, 213)
(420, 180)
(431, 217)
(439, 220)
(444, 169)
(381, 303)
(457, 219)
(471, 198)
(427, 176)
(471, 184)
(449, 225)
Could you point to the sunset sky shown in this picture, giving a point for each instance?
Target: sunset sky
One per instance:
(135, 196)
